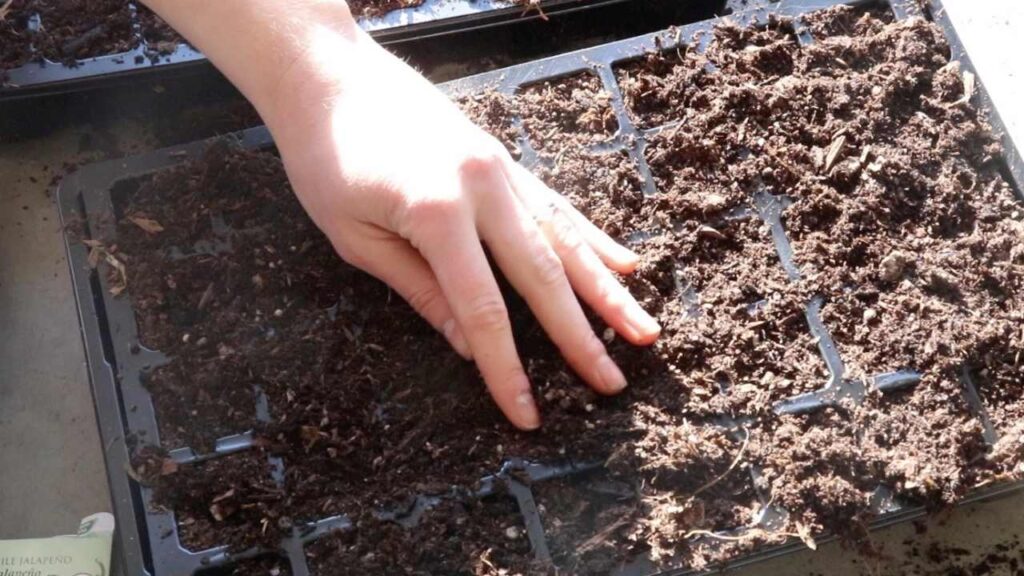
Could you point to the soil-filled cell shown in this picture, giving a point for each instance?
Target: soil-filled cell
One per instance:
(575, 110)
(229, 500)
(457, 538)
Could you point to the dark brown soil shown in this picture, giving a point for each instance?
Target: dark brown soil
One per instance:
(15, 42)
(369, 406)
(69, 30)
(455, 538)
(159, 36)
(77, 29)
(586, 521)
(218, 501)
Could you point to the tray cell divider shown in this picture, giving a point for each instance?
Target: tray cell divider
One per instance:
(977, 406)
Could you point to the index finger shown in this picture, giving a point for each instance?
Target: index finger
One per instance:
(466, 279)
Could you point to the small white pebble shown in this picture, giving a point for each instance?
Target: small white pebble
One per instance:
(186, 337)
(870, 315)
(589, 407)
(512, 533)
(278, 313)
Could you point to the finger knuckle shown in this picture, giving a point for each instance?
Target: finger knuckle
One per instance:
(612, 295)
(487, 314)
(515, 380)
(424, 213)
(424, 299)
(592, 347)
(548, 267)
(566, 237)
(484, 160)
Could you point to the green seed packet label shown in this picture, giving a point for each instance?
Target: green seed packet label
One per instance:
(86, 553)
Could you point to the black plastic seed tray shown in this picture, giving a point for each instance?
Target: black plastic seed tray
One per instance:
(431, 18)
(149, 541)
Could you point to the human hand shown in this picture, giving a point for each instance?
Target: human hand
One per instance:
(409, 190)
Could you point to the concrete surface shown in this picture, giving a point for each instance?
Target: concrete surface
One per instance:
(51, 470)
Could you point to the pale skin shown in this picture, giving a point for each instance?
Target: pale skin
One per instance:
(358, 130)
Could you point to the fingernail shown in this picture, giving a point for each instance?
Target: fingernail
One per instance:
(610, 375)
(643, 324)
(456, 339)
(529, 418)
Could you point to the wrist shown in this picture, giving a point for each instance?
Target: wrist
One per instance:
(260, 45)
(329, 59)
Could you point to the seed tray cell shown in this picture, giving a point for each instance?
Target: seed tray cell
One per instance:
(151, 539)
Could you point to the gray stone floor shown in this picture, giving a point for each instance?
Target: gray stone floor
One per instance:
(51, 471)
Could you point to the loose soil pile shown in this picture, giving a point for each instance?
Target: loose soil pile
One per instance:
(867, 131)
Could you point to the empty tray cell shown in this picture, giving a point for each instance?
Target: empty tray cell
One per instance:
(227, 501)
(495, 113)
(259, 566)
(606, 187)
(72, 30)
(570, 111)
(664, 87)
(473, 537)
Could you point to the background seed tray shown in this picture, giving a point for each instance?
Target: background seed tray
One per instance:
(149, 542)
(432, 18)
